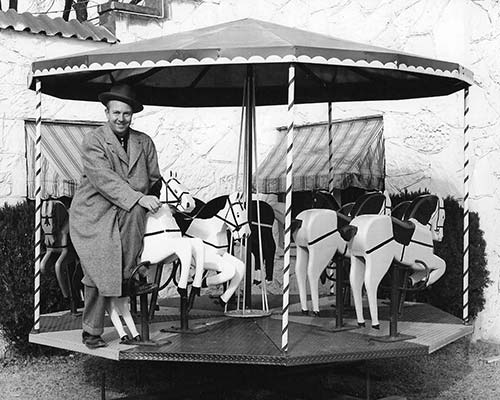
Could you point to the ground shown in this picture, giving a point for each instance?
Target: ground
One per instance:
(458, 371)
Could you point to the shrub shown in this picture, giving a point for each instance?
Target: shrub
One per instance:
(446, 293)
(17, 276)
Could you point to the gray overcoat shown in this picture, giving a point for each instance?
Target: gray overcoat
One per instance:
(111, 180)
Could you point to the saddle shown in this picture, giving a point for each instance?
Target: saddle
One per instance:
(402, 231)
(420, 209)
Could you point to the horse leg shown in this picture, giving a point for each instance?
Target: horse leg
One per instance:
(301, 261)
(234, 283)
(318, 260)
(121, 304)
(63, 283)
(45, 259)
(225, 270)
(199, 256)
(112, 307)
(438, 268)
(269, 249)
(356, 277)
(375, 269)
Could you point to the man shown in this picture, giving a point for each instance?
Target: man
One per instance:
(107, 216)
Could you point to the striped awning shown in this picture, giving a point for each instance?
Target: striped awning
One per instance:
(358, 157)
(61, 156)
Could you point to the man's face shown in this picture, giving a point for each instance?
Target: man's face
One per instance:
(119, 115)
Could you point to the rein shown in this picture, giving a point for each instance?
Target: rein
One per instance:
(161, 231)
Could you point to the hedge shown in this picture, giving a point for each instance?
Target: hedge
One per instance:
(17, 275)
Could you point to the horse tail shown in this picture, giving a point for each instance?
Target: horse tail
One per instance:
(348, 232)
(296, 224)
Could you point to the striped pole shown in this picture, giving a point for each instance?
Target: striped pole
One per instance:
(330, 150)
(38, 204)
(465, 276)
(288, 208)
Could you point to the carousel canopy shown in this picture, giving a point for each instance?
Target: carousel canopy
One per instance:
(208, 66)
(358, 159)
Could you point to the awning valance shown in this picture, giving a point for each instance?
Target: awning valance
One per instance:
(358, 157)
(61, 156)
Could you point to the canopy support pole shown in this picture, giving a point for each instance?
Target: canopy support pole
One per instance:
(465, 274)
(38, 205)
(288, 207)
(330, 150)
(248, 156)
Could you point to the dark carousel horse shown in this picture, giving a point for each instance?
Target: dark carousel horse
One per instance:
(55, 228)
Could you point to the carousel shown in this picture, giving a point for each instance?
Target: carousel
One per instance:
(252, 63)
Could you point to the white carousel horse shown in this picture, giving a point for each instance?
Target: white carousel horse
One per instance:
(211, 225)
(163, 242)
(376, 241)
(318, 240)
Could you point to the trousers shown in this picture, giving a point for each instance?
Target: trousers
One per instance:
(132, 225)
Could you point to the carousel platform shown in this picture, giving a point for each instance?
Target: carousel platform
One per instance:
(258, 340)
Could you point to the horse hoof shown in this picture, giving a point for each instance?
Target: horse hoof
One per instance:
(305, 312)
(361, 324)
(316, 313)
(377, 327)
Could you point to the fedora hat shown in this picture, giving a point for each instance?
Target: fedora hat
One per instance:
(121, 92)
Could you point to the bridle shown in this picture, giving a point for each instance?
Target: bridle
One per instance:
(177, 201)
(235, 225)
(437, 214)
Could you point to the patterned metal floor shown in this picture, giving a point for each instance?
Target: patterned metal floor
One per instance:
(258, 340)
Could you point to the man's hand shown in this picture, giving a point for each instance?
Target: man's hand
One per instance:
(150, 203)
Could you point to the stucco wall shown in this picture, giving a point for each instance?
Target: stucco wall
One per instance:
(423, 137)
(17, 51)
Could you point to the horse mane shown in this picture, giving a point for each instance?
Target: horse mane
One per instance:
(211, 208)
(422, 208)
(368, 203)
(202, 210)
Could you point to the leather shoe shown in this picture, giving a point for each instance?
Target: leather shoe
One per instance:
(92, 341)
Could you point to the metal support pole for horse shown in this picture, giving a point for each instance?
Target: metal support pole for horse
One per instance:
(394, 336)
(339, 295)
(144, 318)
(248, 157)
(38, 205)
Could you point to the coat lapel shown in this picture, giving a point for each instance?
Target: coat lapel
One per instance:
(112, 140)
(134, 149)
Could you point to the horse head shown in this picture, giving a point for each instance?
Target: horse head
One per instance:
(178, 196)
(436, 222)
(234, 215)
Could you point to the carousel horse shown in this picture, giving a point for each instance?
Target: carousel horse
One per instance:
(266, 231)
(317, 237)
(211, 224)
(55, 227)
(376, 241)
(163, 243)
(266, 213)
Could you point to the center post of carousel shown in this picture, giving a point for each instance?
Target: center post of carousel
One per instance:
(280, 65)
